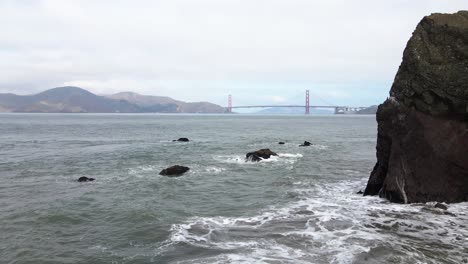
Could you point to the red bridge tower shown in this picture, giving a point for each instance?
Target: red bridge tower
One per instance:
(230, 104)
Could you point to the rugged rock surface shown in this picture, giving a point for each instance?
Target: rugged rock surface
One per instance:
(260, 154)
(174, 171)
(85, 179)
(422, 144)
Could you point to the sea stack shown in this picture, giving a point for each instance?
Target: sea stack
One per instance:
(422, 143)
(260, 155)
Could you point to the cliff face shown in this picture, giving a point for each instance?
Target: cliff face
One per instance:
(422, 144)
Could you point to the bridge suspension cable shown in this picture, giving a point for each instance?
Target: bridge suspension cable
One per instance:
(306, 107)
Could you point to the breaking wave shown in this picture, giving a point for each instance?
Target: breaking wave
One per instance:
(331, 224)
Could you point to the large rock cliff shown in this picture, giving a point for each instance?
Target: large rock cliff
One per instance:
(422, 144)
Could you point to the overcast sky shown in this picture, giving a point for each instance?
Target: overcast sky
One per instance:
(260, 51)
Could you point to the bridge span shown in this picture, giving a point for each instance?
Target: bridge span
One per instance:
(338, 109)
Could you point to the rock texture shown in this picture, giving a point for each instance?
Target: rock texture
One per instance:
(422, 144)
(174, 171)
(260, 155)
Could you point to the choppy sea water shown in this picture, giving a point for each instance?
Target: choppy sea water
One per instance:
(300, 207)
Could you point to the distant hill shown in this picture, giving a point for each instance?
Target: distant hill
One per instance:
(371, 110)
(293, 111)
(166, 104)
(77, 100)
(64, 100)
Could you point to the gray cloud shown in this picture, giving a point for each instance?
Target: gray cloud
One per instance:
(161, 47)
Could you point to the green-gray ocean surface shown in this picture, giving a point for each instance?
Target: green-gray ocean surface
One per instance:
(300, 207)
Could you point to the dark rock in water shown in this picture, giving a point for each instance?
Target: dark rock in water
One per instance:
(260, 154)
(449, 213)
(304, 212)
(305, 144)
(281, 143)
(183, 140)
(422, 142)
(85, 179)
(441, 206)
(174, 171)
(360, 192)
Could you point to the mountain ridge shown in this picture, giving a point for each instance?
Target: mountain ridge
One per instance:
(71, 99)
(167, 102)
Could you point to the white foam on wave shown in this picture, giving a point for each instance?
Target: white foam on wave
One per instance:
(290, 155)
(288, 158)
(233, 159)
(214, 170)
(319, 147)
(141, 169)
(331, 224)
(376, 221)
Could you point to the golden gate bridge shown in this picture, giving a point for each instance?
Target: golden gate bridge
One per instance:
(339, 109)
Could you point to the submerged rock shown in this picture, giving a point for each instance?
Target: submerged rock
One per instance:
(182, 140)
(305, 144)
(260, 154)
(422, 142)
(441, 206)
(281, 143)
(85, 179)
(174, 171)
(360, 192)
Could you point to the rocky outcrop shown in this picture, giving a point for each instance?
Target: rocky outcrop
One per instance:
(260, 155)
(306, 144)
(422, 143)
(174, 171)
(183, 140)
(85, 179)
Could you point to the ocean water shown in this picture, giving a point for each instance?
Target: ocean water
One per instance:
(299, 207)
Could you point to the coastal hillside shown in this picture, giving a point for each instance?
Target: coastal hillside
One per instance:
(71, 99)
(371, 110)
(64, 100)
(166, 104)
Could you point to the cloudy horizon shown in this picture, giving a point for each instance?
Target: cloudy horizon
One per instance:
(345, 52)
